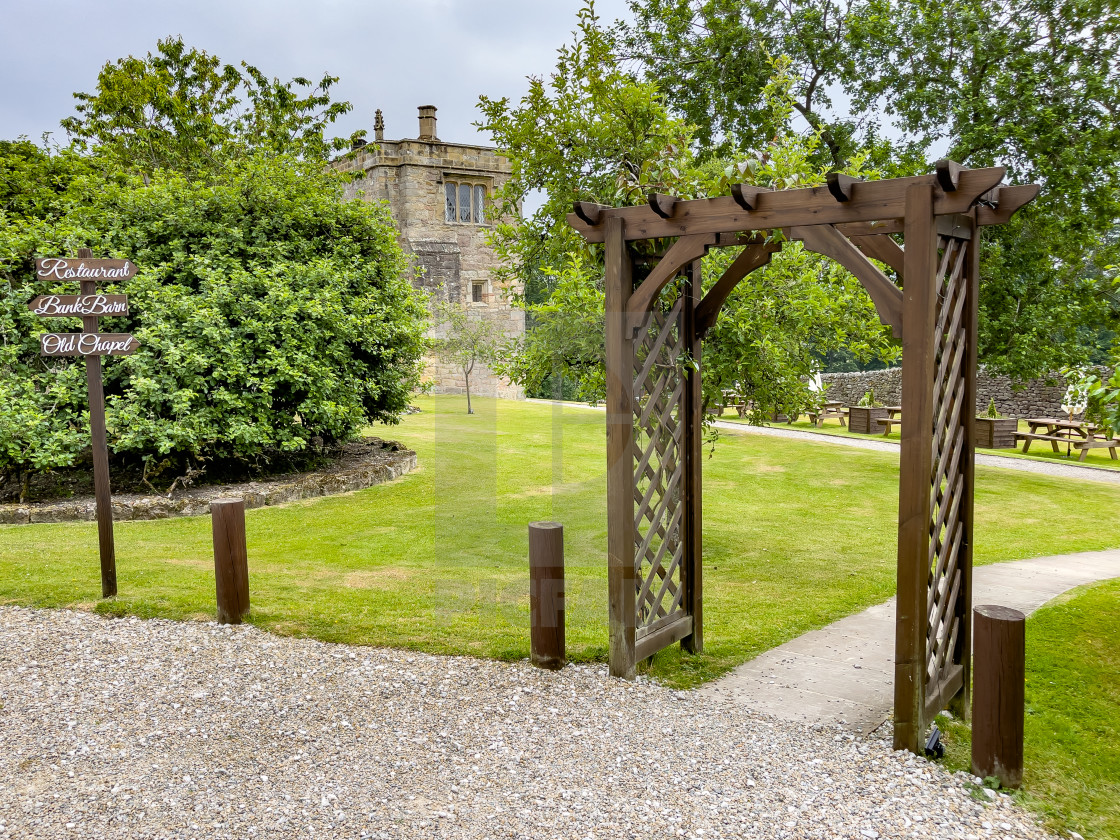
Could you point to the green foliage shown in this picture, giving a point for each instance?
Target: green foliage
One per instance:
(185, 110)
(271, 315)
(991, 412)
(585, 135)
(597, 133)
(869, 400)
(465, 337)
(564, 335)
(1030, 84)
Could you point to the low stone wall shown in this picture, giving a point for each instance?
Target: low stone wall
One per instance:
(379, 464)
(1032, 399)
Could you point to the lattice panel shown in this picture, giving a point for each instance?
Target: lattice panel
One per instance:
(947, 527)
(659, 386)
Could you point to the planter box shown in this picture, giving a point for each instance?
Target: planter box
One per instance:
(996, 432)
(862, 420)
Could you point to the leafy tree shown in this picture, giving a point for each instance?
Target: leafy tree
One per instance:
(272, 316)
(1026, 83)
(183, 109)
(564, 340)
(465, 337)
(619, 143)
(589, 133)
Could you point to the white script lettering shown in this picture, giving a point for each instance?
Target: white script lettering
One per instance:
(60, 269)
(53, 305)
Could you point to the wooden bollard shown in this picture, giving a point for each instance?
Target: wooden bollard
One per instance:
(998, 686)
(546, 594)
(231, 563)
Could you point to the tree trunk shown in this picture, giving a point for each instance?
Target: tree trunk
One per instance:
(467, 379)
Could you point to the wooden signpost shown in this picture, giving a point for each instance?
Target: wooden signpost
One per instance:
(89, 305)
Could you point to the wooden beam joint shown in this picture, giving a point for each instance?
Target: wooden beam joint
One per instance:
(662, 205)
(840, 185)
(746, 196)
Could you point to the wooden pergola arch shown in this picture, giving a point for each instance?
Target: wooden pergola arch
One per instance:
(654, 412)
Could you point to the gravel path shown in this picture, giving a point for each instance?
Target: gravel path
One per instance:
(154, 729)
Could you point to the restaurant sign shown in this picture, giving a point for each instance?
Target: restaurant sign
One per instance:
(57, 268)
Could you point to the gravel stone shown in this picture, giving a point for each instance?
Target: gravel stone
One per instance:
(127, 728)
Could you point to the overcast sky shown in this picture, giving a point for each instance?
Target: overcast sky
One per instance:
(389, 54)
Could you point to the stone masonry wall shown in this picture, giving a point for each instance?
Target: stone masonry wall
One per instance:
(1035, 399)
(448, 258)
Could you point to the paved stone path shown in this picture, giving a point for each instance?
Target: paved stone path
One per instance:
(1071, 469)
(844, 673)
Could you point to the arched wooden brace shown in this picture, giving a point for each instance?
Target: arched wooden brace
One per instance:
(887, 297)
(753, 256)
(882, 248)
(684, 251)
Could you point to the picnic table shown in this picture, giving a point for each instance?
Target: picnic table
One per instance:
(893, 418)
(730, 399)
(1077, 433)
(832, 408)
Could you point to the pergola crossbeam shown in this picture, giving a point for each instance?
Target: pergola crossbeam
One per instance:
(877, 200)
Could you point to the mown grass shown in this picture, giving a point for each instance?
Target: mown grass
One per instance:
(796, 535)
(1071, 761)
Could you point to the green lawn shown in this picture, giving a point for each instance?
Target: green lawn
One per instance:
(1040, 450)
(1071, 762)
(796, 535)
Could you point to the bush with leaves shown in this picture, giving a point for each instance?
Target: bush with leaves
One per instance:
(271, 314)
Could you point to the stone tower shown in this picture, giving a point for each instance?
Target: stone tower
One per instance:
(439, 194)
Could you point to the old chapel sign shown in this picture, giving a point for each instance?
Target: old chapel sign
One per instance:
(90, 305)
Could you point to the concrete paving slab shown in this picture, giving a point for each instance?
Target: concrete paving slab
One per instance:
(814, 678)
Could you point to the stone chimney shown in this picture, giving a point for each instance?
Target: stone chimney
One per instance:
(428, 122)
(378, 125)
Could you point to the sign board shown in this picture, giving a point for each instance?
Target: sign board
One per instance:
(81, 268)
(61, 306)
(87, 344)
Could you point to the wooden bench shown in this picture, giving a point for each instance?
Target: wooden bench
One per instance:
(837, 411)
(1029, 437)
(1097, 443)
(888, 422)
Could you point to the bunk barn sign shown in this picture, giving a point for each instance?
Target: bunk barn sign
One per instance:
(89, 305)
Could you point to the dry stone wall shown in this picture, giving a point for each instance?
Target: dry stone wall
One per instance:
(1036, 398)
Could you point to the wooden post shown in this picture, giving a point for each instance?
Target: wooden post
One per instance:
(915, 484)
(998, 694)
(693, 443)
(546, 594)
(231, 565)
(621, 574)
(103, 497)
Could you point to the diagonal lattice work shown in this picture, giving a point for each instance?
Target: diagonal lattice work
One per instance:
(948, 536)
(659, 463)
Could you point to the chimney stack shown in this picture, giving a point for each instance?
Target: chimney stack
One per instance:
(428, 122)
